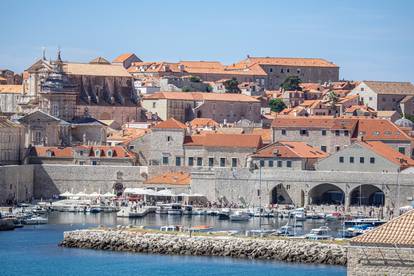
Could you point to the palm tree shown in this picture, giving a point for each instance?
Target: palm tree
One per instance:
(333, 98)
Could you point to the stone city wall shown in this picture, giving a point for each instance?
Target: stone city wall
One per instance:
(16, 183)
(225, 246)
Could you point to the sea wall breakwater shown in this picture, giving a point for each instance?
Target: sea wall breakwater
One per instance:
(130, 240)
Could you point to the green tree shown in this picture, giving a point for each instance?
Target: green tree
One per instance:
(291, 83)
(186, 89)
(232, 86)
(195, 79)
(409, 117)
(209, 88)
(277, 105)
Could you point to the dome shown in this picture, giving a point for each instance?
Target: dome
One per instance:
(404, 122)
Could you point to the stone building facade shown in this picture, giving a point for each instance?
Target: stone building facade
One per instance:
(185, 106)
(9, 98)
(11, 142)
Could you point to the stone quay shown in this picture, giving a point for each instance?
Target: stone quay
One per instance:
(140, 241)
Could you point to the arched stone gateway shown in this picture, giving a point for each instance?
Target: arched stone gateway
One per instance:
(279, 195)
(367, 195)
(326, 194)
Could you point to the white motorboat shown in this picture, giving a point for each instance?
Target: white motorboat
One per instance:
(35, 220)
(170, 228)
(321, 233)
(240, 216)
(162, 209)
(188, 210)
(175, 209)
(285, 230)
(128, 212)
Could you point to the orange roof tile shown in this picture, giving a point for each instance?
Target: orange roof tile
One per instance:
(388, 87)
(218, 140)
(398, 232)
(380, 129)
(302, 62)
(389, 153)
(203, 122)
(265, 133)
(290, 150)
(318, 122)
(55, 152)
(11, 88)
(117, 151)
(122, 58)
(170, 178)
(170, 124)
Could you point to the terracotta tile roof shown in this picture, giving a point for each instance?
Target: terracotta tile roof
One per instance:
(386, 113)
(387, 87)
(202, 64)
(203, 122)
(55, 152)
(11, 88)
(99, 60)
(364, 108)
(389, 153)
(95, 70)
(290, 150)
(117, 151)
(380, 129)
(122, 58)
(200, 96)
(398, 232)
(301, 62)
(170, 178)
(128, 134)
(318, 122)
(265, 133)
(170, 124)
(221, 140)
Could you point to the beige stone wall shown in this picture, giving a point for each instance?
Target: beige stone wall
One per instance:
(366, 261)
(11, 145)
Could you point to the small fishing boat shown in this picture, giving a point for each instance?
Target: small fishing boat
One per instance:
(321, 233)
(170, 228)
(224, 214)
(240, 216)
(35, 220)
(162, 209)
(285, 230)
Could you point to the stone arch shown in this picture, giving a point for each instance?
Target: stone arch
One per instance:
(367, 195)
(326, 193)
(279, 195)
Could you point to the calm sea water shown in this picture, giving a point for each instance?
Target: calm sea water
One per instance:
(33, 250)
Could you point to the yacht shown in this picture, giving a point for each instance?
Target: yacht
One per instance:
(240, 216)
(321, 233)
(35, 220)
(224, 214)
(129, 212)
(188, 210)
(364, 221)
(95, 210)
(162, 209)
(285, 230)
(175, 209)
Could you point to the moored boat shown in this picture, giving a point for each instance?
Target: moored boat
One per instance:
(240, 216)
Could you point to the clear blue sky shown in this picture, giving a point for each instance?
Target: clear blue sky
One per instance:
(368, 39)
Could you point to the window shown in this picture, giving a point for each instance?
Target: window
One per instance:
(298, 71)
(211, 162)
(383, 99)
(199, 161)
(323, 132)
(362, 88)
(289, 164)
(222, 162)
(323, 148)
(279, 164)
(303, 132)
(370, 98)
(362, 160)
(97, 153)
(49, 153)
(337, 133)
(346, 132)
(190, 161)
(234, 162)
(94, 162)
(401, 150)
(131, 147)
(351, 159)
(169, 138)
(283, 131)
(287, 70)
(270, 163)
(178, 161)
(393, 99)
(341, 159)
(81, 153)
(271, 70)
(281, 70)
(337, 148)
(372, 160)
(81, 163)
(262, 163)
(38, 137)
(165, 160)
(109, 153)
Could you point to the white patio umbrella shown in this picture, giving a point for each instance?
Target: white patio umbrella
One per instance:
(166, 193)
(66, 194)
(183, 194)
(108, 194)
(81, 194)
(94, 194)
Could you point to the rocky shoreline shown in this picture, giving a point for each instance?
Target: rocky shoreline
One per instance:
(128, 240)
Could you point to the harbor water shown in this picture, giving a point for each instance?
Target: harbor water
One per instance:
(33, 250)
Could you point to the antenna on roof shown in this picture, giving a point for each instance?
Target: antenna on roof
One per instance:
(43, 53)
